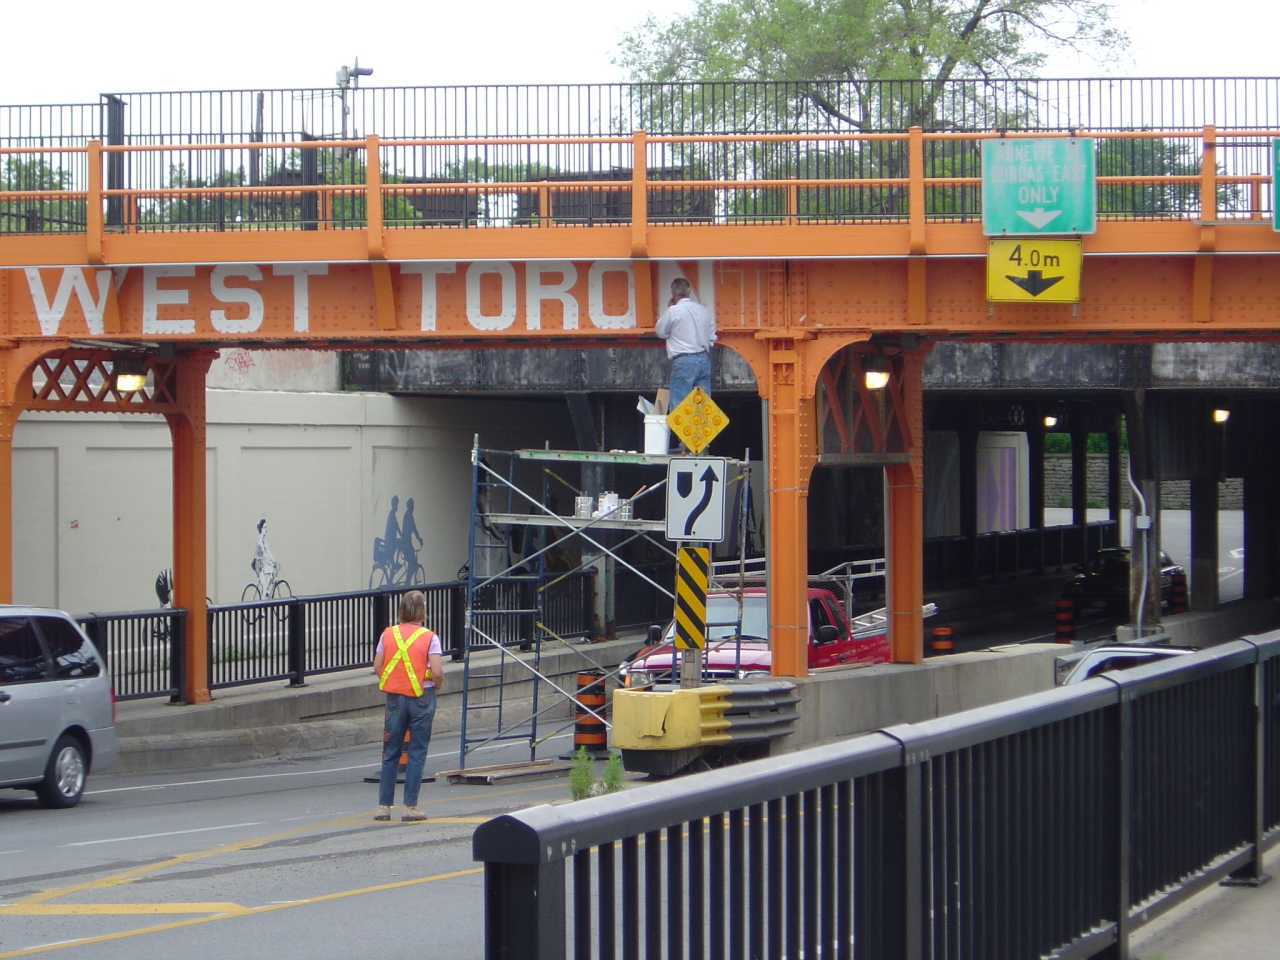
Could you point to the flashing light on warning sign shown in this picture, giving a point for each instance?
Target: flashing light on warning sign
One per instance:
(696, 420)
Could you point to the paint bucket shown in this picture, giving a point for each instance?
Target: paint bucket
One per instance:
(582, 506)
(655, 433)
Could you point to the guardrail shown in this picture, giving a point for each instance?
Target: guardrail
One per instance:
(638, 178)
(293, 638)
(1054, 824)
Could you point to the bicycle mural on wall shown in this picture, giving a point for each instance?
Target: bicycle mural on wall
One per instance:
(269, 585)
(395, 553)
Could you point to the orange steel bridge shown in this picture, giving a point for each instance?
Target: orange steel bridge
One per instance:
(803, 296)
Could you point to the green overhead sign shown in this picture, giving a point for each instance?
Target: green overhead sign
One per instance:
(1039, 187)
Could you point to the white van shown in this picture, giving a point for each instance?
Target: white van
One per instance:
(57, 707)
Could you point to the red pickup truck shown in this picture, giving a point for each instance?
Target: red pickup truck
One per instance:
(731, 653)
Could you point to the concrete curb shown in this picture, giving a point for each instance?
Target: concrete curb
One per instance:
(185, 751)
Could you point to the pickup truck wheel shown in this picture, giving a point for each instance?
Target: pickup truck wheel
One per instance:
(64, 774)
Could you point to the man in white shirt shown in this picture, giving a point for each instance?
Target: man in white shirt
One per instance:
(690, 330)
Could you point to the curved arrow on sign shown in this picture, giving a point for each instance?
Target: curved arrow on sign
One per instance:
(708, 480)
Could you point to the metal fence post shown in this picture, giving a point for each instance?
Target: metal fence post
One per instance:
(297, 615)
(589, 581)
(457, 622)
(378, 616)
(524, 911)
(1119, 949)
(1251, 875)
(177, 654)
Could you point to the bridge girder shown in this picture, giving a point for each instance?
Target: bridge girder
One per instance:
(789, 300)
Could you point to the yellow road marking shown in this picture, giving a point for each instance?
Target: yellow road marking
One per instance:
(72, 909)
(127, 875)
(249, 911)
(458, 820)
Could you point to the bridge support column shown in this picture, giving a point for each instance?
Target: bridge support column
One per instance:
(187, 429)
(1204, 544)
(904, 515)
(8, 420)
(792, 453)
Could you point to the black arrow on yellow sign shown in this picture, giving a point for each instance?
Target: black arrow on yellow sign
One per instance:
(1035, 282)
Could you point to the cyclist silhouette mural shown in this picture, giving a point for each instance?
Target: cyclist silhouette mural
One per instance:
(395, 553)
(269, 585)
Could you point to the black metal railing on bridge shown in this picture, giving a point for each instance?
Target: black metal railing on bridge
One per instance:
(294, 638)
(1051, 825)
(296, 159)
(952, 562)
(578, 110)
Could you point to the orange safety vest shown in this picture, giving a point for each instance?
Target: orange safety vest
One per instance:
(404, 671)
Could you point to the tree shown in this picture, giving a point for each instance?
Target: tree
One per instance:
(1155, 157)
(861, 43)
(37, 215)
(848, 66)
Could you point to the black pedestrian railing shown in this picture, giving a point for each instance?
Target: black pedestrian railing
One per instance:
(293, 638)
(951, 562)
(1051, 825)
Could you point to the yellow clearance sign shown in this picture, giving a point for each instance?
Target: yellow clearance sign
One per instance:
(1034, 270)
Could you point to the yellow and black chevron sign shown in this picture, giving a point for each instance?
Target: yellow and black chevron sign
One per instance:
(692, 565)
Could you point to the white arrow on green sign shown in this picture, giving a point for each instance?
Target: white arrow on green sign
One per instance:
(1044, 186)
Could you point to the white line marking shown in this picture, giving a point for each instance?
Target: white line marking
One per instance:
(256, 776)
(171, 833)
(289, 773)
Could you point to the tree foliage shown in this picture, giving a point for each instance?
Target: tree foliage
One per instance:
(37, 214)
(857, 41)
(848, 66)
(1154, 157)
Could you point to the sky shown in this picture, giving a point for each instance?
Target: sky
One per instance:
(142, 45)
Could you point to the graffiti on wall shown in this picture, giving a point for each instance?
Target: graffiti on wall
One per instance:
(395, 553)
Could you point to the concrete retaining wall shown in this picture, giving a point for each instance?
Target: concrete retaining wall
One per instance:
(1174, 494)
(1204, 628)
(841, 702)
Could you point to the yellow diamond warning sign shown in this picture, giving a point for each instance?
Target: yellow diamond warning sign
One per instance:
(1034, 270)
(696, 420)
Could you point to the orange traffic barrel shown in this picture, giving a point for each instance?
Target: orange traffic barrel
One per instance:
(1064, 621)
(404, 754)
(1178, 594)
(942, 642)
(588, 728)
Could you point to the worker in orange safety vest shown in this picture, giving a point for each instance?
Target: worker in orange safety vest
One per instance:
(409, 667)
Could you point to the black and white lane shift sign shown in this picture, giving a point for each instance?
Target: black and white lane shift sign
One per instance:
(695, 498)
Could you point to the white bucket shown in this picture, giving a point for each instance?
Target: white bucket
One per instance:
(655, 433)
(582, 506)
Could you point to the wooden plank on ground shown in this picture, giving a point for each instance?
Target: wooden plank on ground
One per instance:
(507, 772)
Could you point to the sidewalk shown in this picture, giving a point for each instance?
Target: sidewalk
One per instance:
(1221, 923)
(332, 711)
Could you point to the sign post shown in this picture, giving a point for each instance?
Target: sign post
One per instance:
(693, 567)
(1039, 187)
